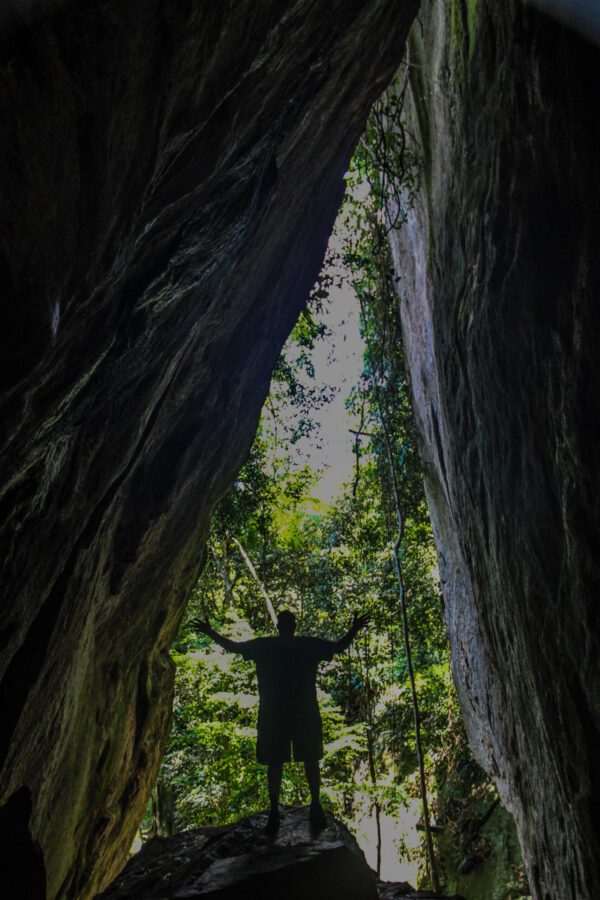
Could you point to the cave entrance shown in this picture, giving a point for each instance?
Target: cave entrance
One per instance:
(331, 491)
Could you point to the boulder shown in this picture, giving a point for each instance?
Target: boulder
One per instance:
(240, 862)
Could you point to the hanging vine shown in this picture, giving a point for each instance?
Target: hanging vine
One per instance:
(391, 170)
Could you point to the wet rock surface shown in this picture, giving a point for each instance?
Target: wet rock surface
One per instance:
(500, 279)
(239, 861)
(169, 172)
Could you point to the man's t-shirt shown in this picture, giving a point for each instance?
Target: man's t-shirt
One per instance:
(287, 669)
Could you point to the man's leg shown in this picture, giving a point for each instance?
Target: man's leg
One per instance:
(313, 776)
(274, 775)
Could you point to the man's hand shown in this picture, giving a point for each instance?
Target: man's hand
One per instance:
(202, 625)
(360, 621)
(357, 623)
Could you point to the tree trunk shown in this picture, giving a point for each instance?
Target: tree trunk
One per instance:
(162, 802)
(371, 754)
(224, 575)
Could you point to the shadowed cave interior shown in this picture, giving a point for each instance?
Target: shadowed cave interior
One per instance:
(170, 176)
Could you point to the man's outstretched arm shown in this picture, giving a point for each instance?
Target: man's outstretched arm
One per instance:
(344, 642)
(204, 626)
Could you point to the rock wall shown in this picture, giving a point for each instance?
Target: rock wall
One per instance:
(500, 274)
(170, 174)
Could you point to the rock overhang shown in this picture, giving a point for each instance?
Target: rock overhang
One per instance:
(171, 174)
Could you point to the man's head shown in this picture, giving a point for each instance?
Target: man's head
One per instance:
(286, 623)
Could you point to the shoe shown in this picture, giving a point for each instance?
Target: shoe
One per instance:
(272, 826)
(316, 815)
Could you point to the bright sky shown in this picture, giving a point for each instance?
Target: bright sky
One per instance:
(337, 361)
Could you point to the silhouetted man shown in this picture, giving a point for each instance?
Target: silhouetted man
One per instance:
(288, 712)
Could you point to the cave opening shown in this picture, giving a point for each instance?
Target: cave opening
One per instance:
(310, 525)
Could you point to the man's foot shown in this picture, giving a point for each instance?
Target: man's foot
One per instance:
(316, 815)
(272, 826)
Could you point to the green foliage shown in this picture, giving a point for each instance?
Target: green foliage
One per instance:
(384, 159)
(299, 395)
(210, 760)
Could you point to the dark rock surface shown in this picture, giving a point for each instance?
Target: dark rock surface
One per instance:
(239, 862)
(501, 276)
(22, 872)
(402, 890)
(170, 171)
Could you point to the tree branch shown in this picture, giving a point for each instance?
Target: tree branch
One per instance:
(258, 582)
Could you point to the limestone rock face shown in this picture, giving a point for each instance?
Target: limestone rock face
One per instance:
(500, 275)
(170, 173)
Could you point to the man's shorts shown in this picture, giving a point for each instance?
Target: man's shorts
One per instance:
(278, 737)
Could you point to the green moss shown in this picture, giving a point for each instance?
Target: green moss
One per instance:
(456, 24)
(491, 867)
(463, 26)
(472, 12)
